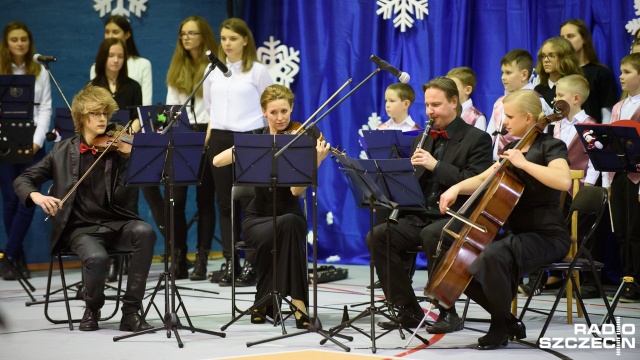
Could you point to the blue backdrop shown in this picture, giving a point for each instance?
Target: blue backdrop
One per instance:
(321, 45)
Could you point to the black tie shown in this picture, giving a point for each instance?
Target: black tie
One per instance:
(433, 196)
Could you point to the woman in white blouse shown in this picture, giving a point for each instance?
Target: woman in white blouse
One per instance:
(233, 104)
(16, 58)
(139, 68)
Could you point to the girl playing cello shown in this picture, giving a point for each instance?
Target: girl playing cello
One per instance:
(536, 234)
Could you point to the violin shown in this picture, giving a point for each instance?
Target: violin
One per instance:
(295, 127)
(114, 139)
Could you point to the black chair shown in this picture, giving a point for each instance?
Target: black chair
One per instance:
(77, 287)
(590, 202)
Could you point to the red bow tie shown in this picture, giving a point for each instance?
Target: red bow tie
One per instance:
(435, 133)
(84, 148)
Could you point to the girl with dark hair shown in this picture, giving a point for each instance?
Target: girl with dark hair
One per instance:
(16, 58)
(602, 85)
(139, 68)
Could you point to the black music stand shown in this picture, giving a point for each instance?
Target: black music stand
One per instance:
(16, 118)
(614, 148)
(375, 183)
(172, 159)
(387, 144)
(256, 164)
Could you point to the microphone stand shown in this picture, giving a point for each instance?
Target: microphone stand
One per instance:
(46, 66)
(171, 320)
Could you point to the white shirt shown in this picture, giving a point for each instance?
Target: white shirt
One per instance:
(629, 107)
(138, 69)
(233, 103)
(568, 132)
(174, 97)
(481, 123)
(42, 96)
(406, 125)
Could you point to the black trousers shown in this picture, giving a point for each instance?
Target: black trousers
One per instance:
(625, 210)
(396, 282)
(136, 236)
(291, 268)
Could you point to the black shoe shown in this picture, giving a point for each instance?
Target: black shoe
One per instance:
(225, 279)
(517, 330)
(134, 322)
(525, 289)
(447, 322)
(247, 276)
(5, 270)
(409, 317)
(200, 266)
(89, 320)
(214, 276)
(492, 342)
(629, 296)
(376, 285)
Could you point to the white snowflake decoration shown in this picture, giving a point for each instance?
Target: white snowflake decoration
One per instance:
(136, 7)
(373, 121)
(281, 60)
(403, 10)
(633, 25)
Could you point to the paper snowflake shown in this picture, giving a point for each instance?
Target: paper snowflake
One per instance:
(281, 60)
(403, 11)
(136, 7)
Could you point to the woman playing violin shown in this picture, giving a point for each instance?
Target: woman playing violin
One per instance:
(99, 215)
(536, 232)
(291, 226)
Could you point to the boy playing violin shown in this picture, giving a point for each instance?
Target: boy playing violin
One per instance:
(99, 215)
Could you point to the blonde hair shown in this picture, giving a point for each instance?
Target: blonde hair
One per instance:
(276, 92)
(577, 84)
(466, 76)
(527, 101)
(567, 60)
(91, 98)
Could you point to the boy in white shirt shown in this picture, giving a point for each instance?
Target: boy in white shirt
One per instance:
(465, 80)
(398, 98)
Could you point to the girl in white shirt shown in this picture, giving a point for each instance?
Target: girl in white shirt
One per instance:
(233, 104)
(16, 57)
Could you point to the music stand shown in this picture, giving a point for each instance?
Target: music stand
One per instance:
(256, 164)
(174, 159)
(16, 118)
(387, 144)
(388, 183)
(619, 151)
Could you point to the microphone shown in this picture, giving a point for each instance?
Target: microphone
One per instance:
(42, 59)
(215, 61)
(402, 76)
(53, 135)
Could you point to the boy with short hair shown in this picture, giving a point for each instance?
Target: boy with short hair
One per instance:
(625, 195)
(398, 98)
(574, 89)
(465, 80)
(516, 66)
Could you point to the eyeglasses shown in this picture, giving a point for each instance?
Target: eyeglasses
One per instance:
(189, 34)
(99, 114)
(550, 56)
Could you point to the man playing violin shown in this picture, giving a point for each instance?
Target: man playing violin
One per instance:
(100, 214)
(452, 152)
(536, 233)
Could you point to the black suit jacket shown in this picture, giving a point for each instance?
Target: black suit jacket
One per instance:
(467, 154)
(62, 165)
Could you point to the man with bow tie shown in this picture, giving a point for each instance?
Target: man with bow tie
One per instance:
(100, 214)
(453, 152)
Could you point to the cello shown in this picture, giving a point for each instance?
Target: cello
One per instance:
(494, 201)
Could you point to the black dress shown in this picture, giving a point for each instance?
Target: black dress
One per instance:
(536, 235)
(291, 228)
